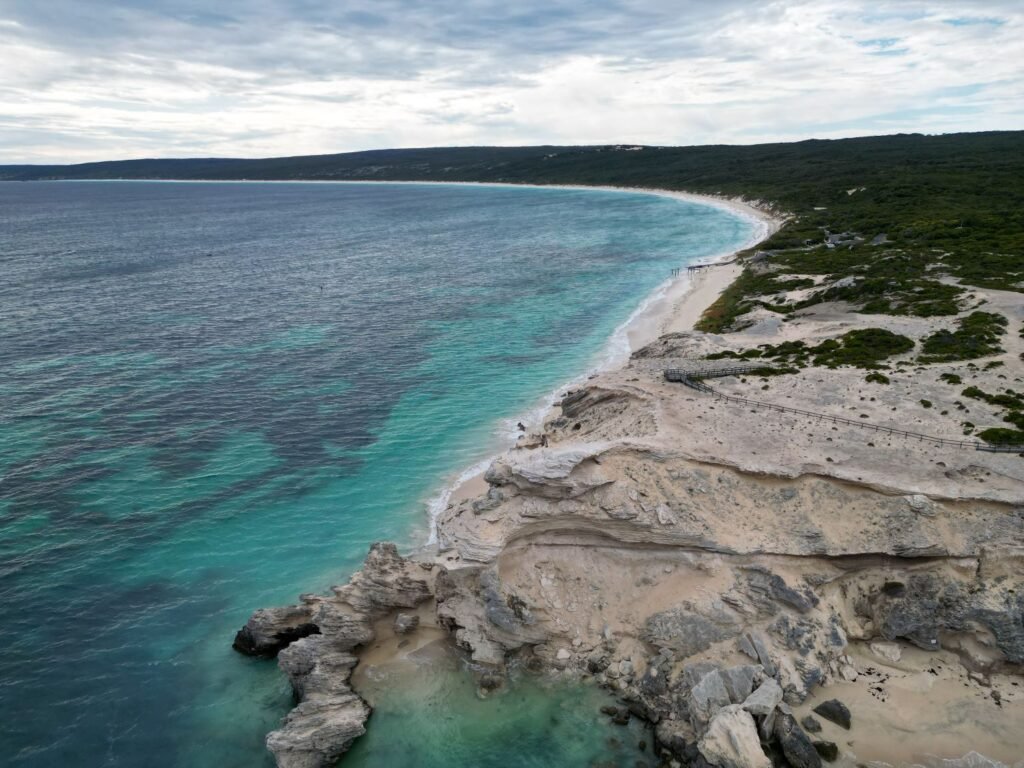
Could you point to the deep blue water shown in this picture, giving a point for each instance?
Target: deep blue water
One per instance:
(216, 396)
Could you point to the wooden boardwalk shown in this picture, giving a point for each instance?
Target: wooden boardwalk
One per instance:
(695, 380)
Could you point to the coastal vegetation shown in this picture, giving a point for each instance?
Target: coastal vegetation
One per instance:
(977, 335)
(1013, 403)
(859, 348)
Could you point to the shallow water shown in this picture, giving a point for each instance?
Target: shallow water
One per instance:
(216, 396)
(433, 718)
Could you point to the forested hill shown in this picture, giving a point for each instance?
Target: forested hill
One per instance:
(790, 174)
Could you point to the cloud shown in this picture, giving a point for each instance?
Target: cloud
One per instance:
(963, 21)
(115, 78)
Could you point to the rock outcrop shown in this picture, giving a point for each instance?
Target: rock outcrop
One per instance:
(316, 641)
(271, 629)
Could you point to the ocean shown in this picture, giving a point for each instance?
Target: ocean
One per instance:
(215, 396)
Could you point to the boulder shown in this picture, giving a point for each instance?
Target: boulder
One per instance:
(765, 699)
(598, 661)
(827, 750)
(673, 736)
(694, 673)
(619, 715)
(739, 681)
(731, 740)
(753, 645)
(834, 711)
(797, 675)
(654, 682)
(798, 749)
(706, 698)
(890, 652)
(811, 725)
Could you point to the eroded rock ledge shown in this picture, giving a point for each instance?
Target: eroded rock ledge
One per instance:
(316, 640)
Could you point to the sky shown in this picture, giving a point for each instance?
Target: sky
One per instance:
(84, 80)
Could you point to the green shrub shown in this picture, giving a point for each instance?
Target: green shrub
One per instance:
(1002, 436)
(863, 348)
(1009, 399)
(977, 336)
(774, 371)
(1016, 418)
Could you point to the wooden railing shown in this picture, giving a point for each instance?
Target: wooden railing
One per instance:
(694, 379)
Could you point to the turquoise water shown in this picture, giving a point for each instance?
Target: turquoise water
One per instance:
(216, 396)
(433, 717)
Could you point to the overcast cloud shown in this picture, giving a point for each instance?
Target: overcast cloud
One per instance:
(102, 79)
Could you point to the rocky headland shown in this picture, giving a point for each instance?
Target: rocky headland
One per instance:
(761, 587)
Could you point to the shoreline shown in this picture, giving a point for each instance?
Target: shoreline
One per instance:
(674, 305)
